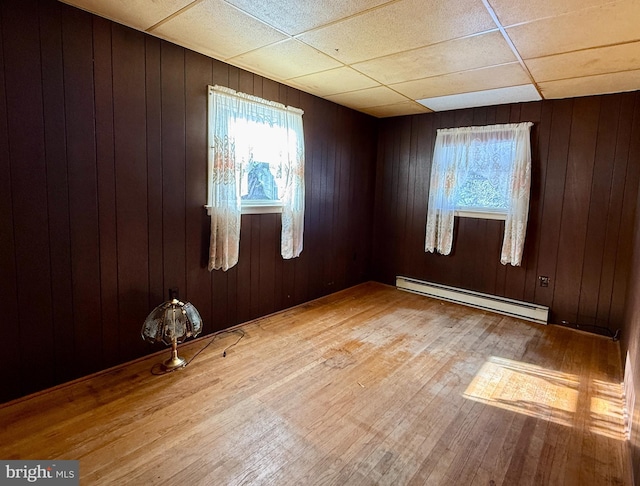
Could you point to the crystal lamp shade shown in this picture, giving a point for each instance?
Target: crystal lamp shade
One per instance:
(172, 321)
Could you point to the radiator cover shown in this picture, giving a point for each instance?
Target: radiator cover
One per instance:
(501, 305)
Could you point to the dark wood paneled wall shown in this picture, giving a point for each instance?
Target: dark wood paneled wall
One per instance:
(103, 153)
(630, 347)
(585, 170)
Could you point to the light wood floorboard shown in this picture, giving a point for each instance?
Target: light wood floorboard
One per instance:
(370, 385)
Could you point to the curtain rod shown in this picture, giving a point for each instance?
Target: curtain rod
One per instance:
(486, 128)
(256, 99)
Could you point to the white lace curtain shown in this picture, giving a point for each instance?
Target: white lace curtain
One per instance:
(456, 151)
(228, 149)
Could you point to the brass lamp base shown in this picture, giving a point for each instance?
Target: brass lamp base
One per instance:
(175, 361)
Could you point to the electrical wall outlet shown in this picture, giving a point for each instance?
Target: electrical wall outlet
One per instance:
(544, 281)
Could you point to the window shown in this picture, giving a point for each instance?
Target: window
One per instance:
(483, 188)
(256, 165)
(262, 148)
(480, 172)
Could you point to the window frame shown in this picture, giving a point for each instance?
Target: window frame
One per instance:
(253, 206)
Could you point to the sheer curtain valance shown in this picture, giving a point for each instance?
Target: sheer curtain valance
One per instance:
(230, 148)
(497, 159)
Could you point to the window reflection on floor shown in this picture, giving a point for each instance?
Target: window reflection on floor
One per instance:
(550, 395)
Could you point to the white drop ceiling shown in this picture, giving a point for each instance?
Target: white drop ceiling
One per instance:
(389, 58)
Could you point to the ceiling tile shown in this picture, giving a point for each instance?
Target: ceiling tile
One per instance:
(578, 30)
(399, 26)
(511, 12)
(287, 59)
(590, 85)
(623, 57)
(334, 81)
(499, 96)
(462, 82)
(446, 57)
(378, 55)
(139, 14)
(211, 27)
(294, 16)
(397, 109)
(366, 98)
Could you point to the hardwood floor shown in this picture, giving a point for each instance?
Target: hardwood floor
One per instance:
(367, 386)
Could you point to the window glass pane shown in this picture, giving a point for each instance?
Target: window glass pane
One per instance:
(263, 149)
(485, 180)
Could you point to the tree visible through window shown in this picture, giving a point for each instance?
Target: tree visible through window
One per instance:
(484, 184)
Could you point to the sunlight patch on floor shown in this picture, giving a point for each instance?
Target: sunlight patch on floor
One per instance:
(607, 409)
(550, 395)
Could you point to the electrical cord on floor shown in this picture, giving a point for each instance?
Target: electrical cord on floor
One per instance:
(601, 330)
(157, 368)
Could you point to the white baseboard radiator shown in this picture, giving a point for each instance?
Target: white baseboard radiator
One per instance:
(501, 305)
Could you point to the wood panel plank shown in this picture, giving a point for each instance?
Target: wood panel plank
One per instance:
(573, 228)
(386, 240)
(379, 227)
(401, 192)
(269, 253)
(108, 239)
(198, 279)
(363, 200)
(465, 252)
(540, 114)
(8, 277)
(173, 167)
(625, 242)
(614, 206)
(245, 81)
(327, 185)
(31, 242)
(130, 155)
(50, 18)
(79, 95)
(244, 283)
(419, 195)
(315, 173)
(253, 287)
(558, 149)
(332, 199)
(158, 288)
(598, 210)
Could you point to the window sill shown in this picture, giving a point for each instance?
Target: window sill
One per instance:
(481, 215)
(256, 209)
(261, 209)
